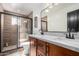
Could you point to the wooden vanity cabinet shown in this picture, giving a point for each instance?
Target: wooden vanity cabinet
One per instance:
(54, 50)
(42, 48)
(37, 47)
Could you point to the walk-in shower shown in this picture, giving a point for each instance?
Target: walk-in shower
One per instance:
(14, 30)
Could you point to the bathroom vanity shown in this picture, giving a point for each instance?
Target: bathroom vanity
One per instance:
(57, 20)
(45, 45)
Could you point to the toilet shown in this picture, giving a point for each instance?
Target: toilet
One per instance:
(25, 46)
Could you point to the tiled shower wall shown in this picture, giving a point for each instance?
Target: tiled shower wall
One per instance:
(9, 32)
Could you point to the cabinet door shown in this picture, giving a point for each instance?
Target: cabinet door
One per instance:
(41, 48)
(32, 46)
(54, 50)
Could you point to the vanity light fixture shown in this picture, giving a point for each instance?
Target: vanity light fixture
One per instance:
(49, 6)
(52, 5)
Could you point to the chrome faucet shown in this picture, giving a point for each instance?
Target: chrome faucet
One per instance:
(70, 36)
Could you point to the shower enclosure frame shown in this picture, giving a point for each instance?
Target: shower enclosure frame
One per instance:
(2, 23)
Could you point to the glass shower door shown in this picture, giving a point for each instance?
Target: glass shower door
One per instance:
(10, 33)
(24, 29)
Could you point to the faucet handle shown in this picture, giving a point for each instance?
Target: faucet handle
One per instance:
(66, 35)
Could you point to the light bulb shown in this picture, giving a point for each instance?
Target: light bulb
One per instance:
(46, 10)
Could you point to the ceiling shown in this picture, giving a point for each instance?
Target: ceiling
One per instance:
(25, 8)
(22, 8)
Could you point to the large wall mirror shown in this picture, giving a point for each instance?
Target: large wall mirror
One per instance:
(57, 16)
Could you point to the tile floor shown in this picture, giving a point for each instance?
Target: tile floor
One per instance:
(19, 52)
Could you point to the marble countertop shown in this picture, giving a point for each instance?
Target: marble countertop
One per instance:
(72, 44)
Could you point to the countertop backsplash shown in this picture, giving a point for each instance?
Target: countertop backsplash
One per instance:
(62, 34)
